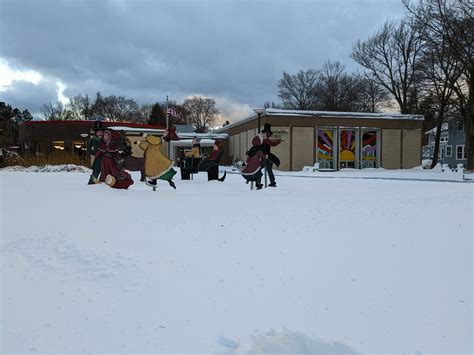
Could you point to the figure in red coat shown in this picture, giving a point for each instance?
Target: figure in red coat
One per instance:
(111, 170)
(270, 158)
(252, 170)
(259, 156)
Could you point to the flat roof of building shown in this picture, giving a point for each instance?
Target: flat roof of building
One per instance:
(315, 114)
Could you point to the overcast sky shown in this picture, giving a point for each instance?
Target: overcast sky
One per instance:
(233, 51)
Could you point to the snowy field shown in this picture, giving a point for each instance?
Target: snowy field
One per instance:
(313, 266)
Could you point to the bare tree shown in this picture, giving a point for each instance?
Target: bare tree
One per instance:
(201, 112)
(392, 57)
(52, 111)
(59, 111)
(336, 90)
(297, 91)
(116, 108)
(451, 21)
(144, 113)
(83, 105)
(373, 97)
(272, 104)
(440, 72)
(125, 109)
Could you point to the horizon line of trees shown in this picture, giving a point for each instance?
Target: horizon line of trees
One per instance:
(200, 112)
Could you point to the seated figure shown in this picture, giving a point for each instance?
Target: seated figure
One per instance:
(211, 164)
(191, 160)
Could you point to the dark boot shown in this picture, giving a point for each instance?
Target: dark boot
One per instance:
(171, 182)
(221, 179)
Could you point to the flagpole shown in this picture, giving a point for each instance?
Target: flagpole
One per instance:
(167, 127)
(167, 118)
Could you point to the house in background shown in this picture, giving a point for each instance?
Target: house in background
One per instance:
(452, 143)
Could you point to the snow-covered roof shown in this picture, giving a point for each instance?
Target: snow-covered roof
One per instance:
(324, 114)
(204, 135)
(189, 142)
(365, 115)
(210, 136)
(134, 129)
(444, 127)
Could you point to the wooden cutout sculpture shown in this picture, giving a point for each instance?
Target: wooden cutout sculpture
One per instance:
(157, 166)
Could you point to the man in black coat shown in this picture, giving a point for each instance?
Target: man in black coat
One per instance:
(271, 159)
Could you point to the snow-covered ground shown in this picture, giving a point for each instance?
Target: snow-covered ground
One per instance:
(314, 266)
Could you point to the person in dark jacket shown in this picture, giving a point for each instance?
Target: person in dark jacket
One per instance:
(94, 144)
(270, 159)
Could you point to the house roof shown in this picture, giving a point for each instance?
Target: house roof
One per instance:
(349, 115)
(444, 127)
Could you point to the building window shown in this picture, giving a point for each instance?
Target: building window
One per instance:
(326, 147)
(58, 146)
(347, 148)
(449, 151)
(460, 153)
(369, 149)
(459, 126)
(443, 139)
(79, 148)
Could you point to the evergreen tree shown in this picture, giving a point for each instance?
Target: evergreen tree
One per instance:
(158, 115)
(9, 119)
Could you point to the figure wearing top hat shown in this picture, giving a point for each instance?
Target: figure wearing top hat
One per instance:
(94, 144)
(270, 159)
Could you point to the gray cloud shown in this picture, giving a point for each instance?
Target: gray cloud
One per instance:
(235, 50)
(24, 95)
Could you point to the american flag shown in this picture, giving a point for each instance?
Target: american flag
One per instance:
(172, 112)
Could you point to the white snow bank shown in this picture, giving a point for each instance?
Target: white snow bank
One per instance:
(438, 173)
(49, 168)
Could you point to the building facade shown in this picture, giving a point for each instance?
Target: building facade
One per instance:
(42, 138)
(452, 143)
(49, 137)
(333, 140)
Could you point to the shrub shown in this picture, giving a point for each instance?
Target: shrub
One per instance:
(56, 158)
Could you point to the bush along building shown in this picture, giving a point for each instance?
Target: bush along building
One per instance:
(452, 143)
(333, 140)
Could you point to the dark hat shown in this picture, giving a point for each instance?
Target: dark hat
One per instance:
(267, 128)
(98, 126)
